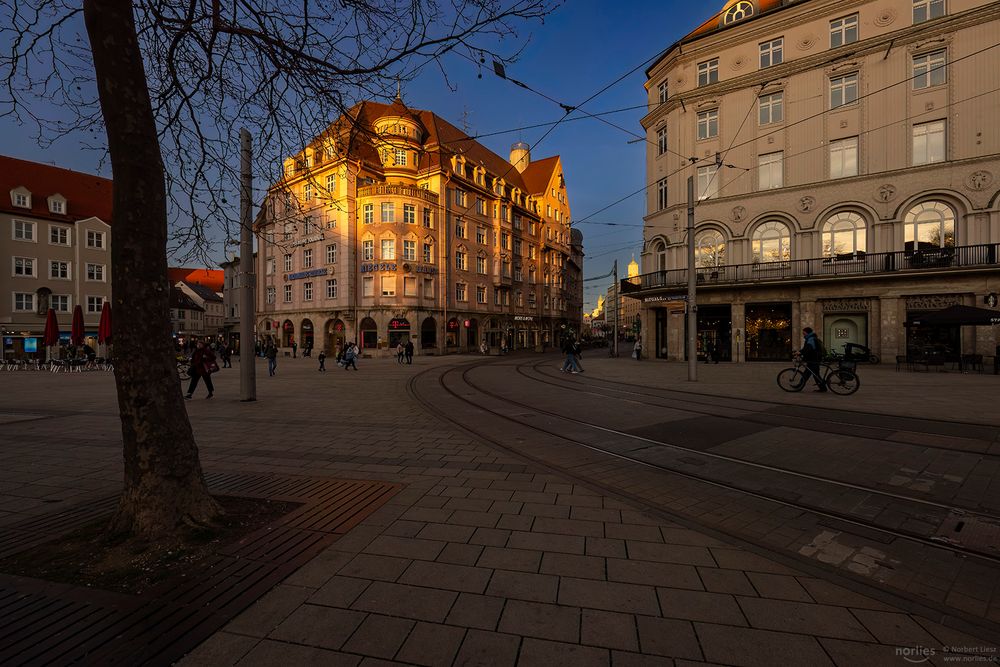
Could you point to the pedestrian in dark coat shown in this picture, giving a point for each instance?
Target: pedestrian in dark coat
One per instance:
(322, 360)
(202, 366)
(409, 351)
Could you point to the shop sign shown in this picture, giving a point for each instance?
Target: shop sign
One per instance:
(307, 241)
(424, 268)
(400, 323)
(846, 305)
(658, 299)
(307, 274)
(373, 267)
(524, 318)
(453, 325)
(31, 345)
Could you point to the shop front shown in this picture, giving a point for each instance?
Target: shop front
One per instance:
(715, 326)
(398, 332)
(768, 331)
(368, 337)
(334, 336)
(307, 335)
(428, 334)
(451, 334)
(845, 321)
(287, 333)
(932, 340)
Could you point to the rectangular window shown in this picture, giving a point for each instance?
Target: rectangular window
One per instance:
(95, 240)
(708, 124)
(58, 235)
(57, 206)
(409, 286)
(481, 265)
(427, 218)
(307, 291)
(400, 157)
(331, 288)
(496, 297)
(428, 288)
(518, 276)
(331, 184)
(661, 141)
(269, 266)
(843, 31)
(95, 272)
(480, 206)
(24, 302)
(459, 197)
(388, 211)
(769, 170)
(517, 247)
(409, 251)
(708, 184)
(24, 231)
(844, 157)
(517, 221)
(460, 261)
(307, 258)
(480, 295)
(480, 236)
(770, 53)
(661, 194)
(708, 72)
(307, 192)
(504, 241)
(388, 285)
(369, 213)
(843, 90)
(24, 267)
(288, 293)
(662, 92)
(771, 108)
(925, 10)
(59, 270)
(368, 286)
(331, 253)
(368, 250)
(459, 228)
(269, 296)
(22, 200)
(929, 69)
(287, 234)
(288, 263)
(409, 214)
(928, 142)
(460, 292)
(95, 304)
(59, 303)
(388, 249)
(532, 252)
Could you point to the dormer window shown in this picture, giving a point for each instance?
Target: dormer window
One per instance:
(57, 206)
(738, 12)
(21, 199)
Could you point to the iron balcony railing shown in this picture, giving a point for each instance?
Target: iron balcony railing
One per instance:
(385, 189)
(854, 264)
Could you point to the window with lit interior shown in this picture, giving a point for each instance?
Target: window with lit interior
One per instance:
(929, 225)
(772, 242)
(844, 233)
(709, 249)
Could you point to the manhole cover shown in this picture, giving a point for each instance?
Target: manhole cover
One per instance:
(972, 532)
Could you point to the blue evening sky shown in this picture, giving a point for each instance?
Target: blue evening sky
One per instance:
(581, 48)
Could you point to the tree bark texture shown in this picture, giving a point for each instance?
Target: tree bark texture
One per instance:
(164, 487)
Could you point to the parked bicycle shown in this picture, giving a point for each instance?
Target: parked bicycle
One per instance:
(854, 352)
(838, 377)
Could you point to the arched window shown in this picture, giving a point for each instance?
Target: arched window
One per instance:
(772, 242)
(844, 233)
(929, 225)
(709, 249)
(737, 12)
(660, 256)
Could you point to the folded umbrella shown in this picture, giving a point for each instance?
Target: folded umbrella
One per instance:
(104, 328)
(76, 331)
(51, 336)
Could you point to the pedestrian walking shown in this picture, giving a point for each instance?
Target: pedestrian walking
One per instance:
(227, 355)
(351, 356)
(578, 355)
(569, 365)
(812, 353)
(322, 360)
(295, 348)
(272, 359)
(400, 352)
(202, 366)
(409, 352)
(637, 349)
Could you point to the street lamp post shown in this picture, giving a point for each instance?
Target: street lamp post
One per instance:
(692, 302)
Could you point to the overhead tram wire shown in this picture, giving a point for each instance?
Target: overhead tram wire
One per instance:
(721, 160)
(782, 129)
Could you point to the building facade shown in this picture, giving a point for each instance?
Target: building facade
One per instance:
(56, 248)
(396, 226)
(210, 302)
(844, 157)
(231, 299)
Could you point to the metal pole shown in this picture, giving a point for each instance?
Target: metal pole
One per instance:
(616, 307)
(692, 301)
(248, 361)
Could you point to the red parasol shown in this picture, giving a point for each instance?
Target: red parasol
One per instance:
(76, 332)
(104, 328)
(51, 336)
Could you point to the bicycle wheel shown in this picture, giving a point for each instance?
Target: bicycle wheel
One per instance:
(873, 359)
(791, 379)
(843, 382)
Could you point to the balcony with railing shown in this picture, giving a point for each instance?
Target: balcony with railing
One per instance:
(389, 190)
(903, 262)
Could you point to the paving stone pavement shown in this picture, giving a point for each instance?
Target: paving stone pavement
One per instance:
(483, 558)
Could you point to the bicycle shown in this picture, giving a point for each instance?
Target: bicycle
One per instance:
(840, 378)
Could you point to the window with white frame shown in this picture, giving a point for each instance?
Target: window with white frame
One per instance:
(388, 285)
(772, 242)
(22, 200)
(459, 197)
(844, 157)
(428, 252)
(843, 31)
(929, 69)
(307, 291)
(771, 108)
(427, 218)
(459, 228)
(480, 206)
(307, 225)
(59, 270)
(480, 295)
(58, 235)
(771, 53)
(95, 304)
(388, 211)
(368, 211)
(925, 10)
(770, 172)
(481, 235)
(409, 214)
(481, 265)
(288, 262)
(307, 192)
(24, 230)
(24, 301)
(661, 141)
(929, 142)
(461, 292)
(843, 90)
(409, 251)
(661, 194)
(95, 272)
(269, 296)
(307, 258)
(708, 72)
(460, 260)
(709, 249)
(368, 286)
(368, 250)
(331, 253)
(60, 303)
(708, 124)
(95, 240)
(269, 266)
(844, 233)
(288, 293)
(289, 229)
(388, 249)
(57, 206)
(24, 267)
(661, 91)
(929, 225)
(331, 184)
(400, 157)
(708, 184)
(331, 288)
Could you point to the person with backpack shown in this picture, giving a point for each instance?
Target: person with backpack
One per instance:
(812, 353)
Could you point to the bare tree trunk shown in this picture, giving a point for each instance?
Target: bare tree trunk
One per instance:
(164, 485)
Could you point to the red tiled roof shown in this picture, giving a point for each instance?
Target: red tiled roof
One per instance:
(210, 278)
(86, 195)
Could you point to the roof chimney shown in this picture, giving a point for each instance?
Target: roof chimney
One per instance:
(520, 156)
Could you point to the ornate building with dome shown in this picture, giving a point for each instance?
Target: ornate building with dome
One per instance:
(394, 226)
(845, 163)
